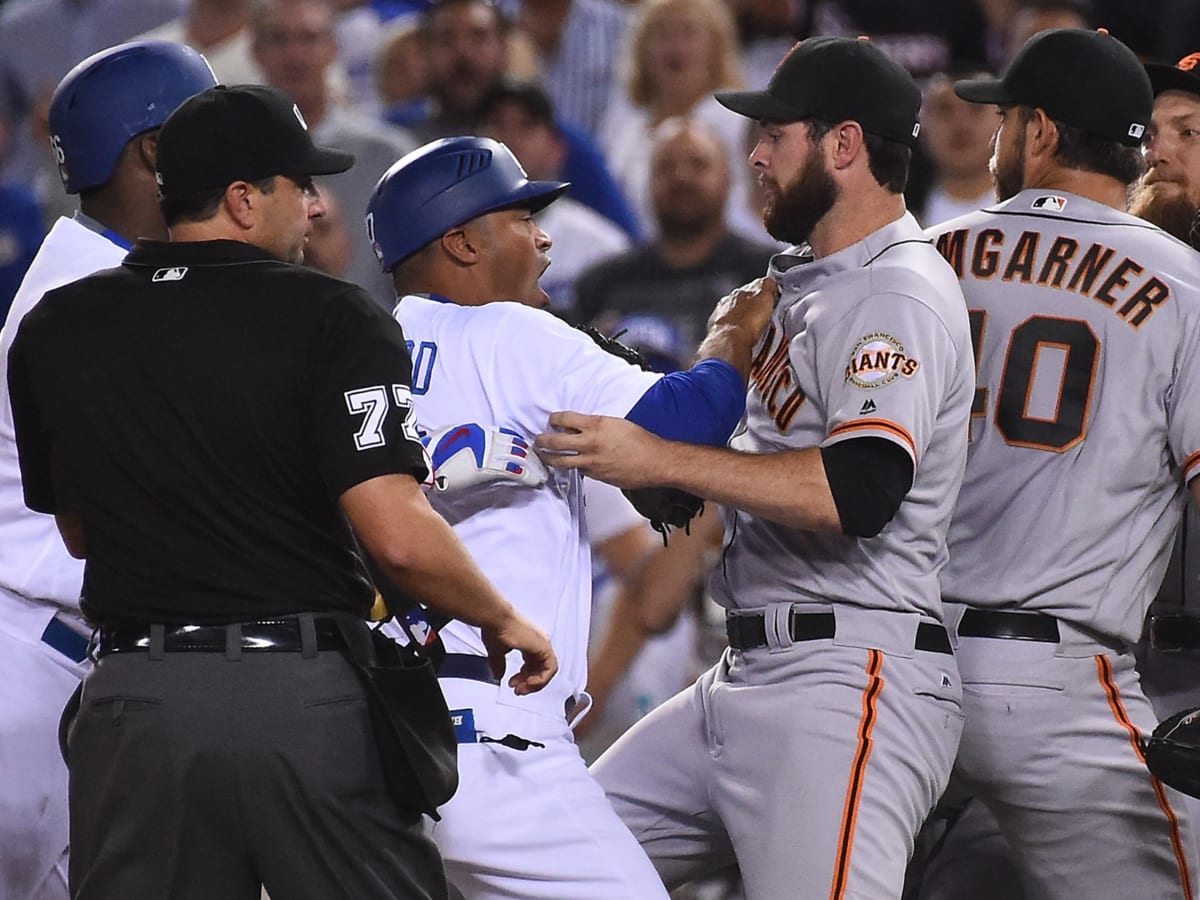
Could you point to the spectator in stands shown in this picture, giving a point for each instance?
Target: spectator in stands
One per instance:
(293, 42)
(679, 52)
(577, 44)
(695, 259)
(220, 30)
(402, 74)
(957, 137)
(468, 54)
(520, 114)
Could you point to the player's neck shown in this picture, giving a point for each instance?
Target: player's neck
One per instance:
(131, 220)
(1089, 185)
(852, 219)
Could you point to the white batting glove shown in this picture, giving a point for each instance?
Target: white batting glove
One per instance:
(465, 455)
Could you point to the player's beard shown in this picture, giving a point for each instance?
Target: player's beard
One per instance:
(1165, 205)
(792, 212)
(1008, 172)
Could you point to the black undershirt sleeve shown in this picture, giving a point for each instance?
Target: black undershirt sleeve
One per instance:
(869, 477)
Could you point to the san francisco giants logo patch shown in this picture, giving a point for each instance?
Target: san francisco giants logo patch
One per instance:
(878, 360)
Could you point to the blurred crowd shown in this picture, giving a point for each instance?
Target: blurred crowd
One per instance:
(617, 98)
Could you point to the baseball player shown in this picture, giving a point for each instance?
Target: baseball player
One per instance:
(818, 744)
(104, 118)
(1085, 436)
(453, 223)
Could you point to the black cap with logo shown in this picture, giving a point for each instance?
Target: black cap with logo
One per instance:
(1183, 76)
(835, 79)
(239, 133)
(1084, 78)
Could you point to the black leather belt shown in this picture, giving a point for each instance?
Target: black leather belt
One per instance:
(280, 635)
(745, 632)
(467, 665)
(1013, 626)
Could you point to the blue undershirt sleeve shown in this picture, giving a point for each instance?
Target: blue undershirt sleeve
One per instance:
(702, 405)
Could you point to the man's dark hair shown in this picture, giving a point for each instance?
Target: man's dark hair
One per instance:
(1087, 152)
(430, 12)
(888, 160)
(203, 205)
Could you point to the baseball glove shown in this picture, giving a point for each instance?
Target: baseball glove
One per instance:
(1173, 752)
(665, 507)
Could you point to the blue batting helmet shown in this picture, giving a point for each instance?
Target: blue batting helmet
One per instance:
(112, 97)
(442, 185)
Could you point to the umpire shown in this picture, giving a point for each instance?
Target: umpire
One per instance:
(208, 423)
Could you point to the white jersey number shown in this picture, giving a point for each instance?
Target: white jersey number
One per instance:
(372, 403)
(1046, 386)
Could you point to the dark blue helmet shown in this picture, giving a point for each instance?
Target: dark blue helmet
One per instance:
(442, 185)
(112, 97)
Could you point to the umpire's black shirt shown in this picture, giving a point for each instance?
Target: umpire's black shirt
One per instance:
(202, 407)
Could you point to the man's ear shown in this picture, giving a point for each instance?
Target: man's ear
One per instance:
(460, 246)
(845, 143)
(148, 150)
(1041, 135)
(241, 203)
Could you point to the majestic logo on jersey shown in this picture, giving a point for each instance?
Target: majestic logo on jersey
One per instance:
(1060, 262)
(175, 273)
(1052, 202)
(878, 360)
(868, 407)
(773, 379)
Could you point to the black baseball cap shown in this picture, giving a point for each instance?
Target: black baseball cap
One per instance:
(835, 79)
(240, 133)
(1084, 78)
(1183, 76)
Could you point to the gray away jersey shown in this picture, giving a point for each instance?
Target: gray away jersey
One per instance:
(1086, 420)
(870, 341)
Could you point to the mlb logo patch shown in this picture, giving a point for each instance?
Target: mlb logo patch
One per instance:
(175, 273)
(1052, 202)
(1136, 130)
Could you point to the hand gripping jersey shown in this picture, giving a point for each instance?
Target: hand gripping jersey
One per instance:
(1085, 421)
(870, 341)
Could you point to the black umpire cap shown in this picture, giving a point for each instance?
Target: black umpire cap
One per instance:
(835, 79)
(240, 133)
(1084, 78)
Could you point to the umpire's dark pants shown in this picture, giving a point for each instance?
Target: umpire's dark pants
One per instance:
(204, 775)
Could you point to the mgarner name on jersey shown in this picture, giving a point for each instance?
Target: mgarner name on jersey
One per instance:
(1036, 258)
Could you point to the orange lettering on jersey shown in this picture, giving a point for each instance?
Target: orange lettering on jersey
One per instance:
(1063, 268)
(952, 245)
(770, 374)
(1146, 298)
(984, 262)
(1020, 264)
(1118, 279)
(788, 409)
(1094, 260)
(1054, 270)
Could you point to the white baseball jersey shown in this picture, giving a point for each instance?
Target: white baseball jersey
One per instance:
(510, 365)
(870, 341)
(1086, 420)
(37, 578)
(33, 560)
